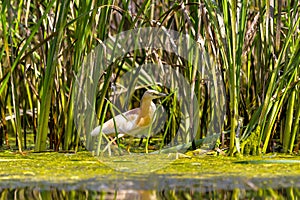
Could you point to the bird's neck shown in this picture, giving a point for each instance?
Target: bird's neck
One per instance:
(145, 107)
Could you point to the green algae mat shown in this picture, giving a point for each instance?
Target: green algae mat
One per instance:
(54, 175)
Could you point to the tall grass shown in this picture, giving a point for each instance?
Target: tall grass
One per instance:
(255, 45)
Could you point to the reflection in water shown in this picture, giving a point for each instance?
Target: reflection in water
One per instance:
(154, 186)
(56, 193)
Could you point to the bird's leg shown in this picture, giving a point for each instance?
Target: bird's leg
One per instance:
(142, 138)
(128, 146)
(116, 138)
(148, 145)
(141, 141)
(113, 139)
(107, 147)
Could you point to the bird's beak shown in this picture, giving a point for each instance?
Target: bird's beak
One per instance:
(158, 95)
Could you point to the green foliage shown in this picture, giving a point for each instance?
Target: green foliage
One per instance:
(255, 45)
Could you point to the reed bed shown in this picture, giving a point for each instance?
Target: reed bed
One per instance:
(255, 45)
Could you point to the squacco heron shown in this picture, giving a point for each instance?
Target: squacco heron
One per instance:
(135, 122)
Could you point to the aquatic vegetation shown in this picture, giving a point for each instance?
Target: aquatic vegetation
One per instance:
(51, 174)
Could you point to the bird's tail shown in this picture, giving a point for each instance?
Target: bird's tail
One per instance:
(95, 131)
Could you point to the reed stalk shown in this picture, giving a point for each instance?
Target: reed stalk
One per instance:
(255, 46)
(47, 88)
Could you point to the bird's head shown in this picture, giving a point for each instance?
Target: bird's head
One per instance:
(153, 94)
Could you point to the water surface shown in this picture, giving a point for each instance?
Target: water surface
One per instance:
(83, 176)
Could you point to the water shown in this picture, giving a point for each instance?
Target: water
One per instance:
(157, 187)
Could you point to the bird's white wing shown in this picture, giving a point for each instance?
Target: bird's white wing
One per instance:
(127, 121)
(124, 123)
